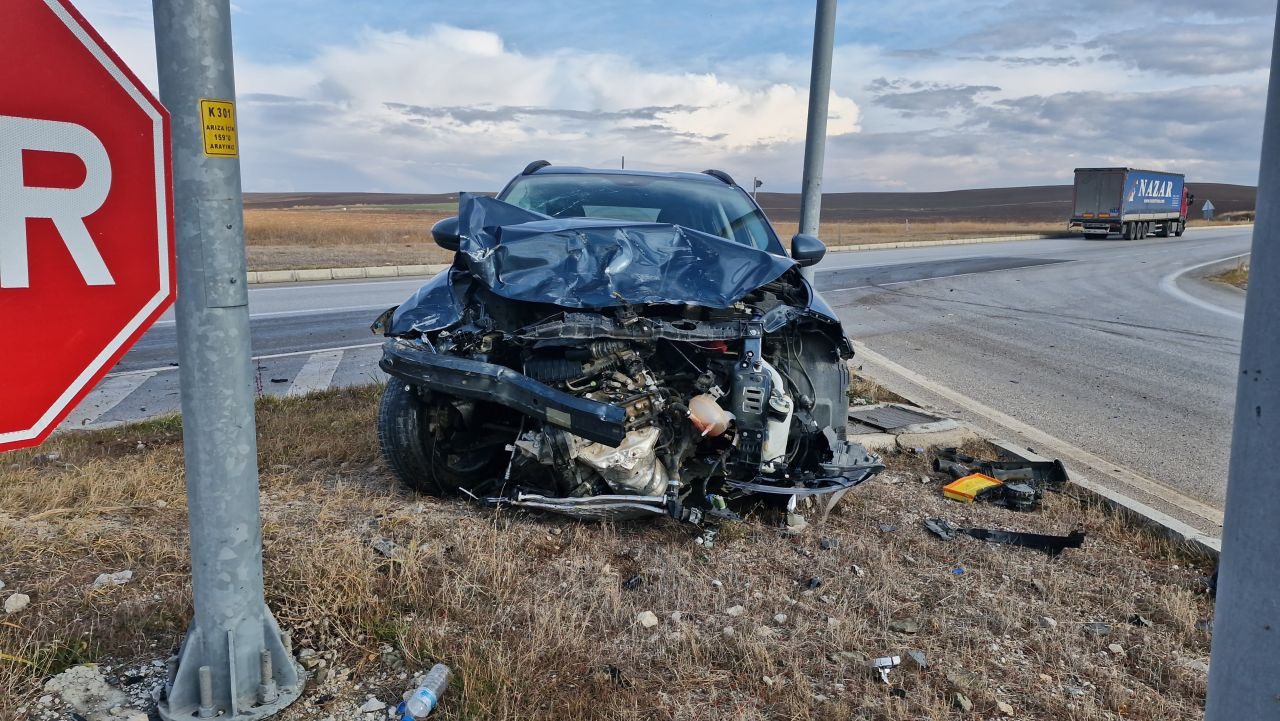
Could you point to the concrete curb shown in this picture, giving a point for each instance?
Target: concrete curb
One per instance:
(314, 274)
(1162, 523)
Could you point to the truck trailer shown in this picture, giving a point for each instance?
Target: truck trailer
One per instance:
(1130, 202)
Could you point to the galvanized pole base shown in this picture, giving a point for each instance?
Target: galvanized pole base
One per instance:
(234, 663)
(815, 140)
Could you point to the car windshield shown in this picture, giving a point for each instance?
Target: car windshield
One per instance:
(712, 208)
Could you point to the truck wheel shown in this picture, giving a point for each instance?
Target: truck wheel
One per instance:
(1165, 230)
(1128, 232)
(1142, 230)
(1181, 227)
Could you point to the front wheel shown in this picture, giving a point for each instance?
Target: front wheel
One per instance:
(1180, 227)
(429, 446)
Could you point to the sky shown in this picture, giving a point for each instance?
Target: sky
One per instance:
(419, 96)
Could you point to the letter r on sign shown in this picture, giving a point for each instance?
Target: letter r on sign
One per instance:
(66, 207)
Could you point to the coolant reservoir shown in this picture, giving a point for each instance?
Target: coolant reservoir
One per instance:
(707, 415)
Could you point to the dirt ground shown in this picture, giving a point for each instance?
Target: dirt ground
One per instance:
(540, 617)
(1237, 276)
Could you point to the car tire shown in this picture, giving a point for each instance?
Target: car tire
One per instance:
(430, 461)
(401, 426)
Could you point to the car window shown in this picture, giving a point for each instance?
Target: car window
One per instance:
(709, 207)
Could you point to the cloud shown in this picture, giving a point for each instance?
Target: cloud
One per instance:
(1216, 49)
(915, 98)
(399, 102)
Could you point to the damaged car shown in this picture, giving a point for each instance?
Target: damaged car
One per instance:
(618, 344)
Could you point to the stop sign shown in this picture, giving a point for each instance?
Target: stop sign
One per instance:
(86, 217)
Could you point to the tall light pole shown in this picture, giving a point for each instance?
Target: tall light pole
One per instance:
(233, 664)
(815, 141)
(1244, 675)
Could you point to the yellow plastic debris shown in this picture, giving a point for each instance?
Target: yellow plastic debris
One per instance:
(967, 489)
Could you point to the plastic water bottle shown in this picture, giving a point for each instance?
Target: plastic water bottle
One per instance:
(425, 697)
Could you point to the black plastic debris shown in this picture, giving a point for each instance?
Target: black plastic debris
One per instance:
(632, 583)
(828, 544)
(279, 380)
(1052, 545)
(1023, 482)
(1020, 497)
(942, 528)
(813, 582)
(1050, 475)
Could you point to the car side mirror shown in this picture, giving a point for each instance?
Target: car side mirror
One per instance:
(807, 250)
(445, 233)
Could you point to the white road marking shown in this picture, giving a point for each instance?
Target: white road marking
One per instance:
(1046, 441)
(161, 369)
(316, 374)
(106, 396)
(306, 311)
(1169, 284)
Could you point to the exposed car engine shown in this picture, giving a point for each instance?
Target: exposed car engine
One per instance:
(684, 406)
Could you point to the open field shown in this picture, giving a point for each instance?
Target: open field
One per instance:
(1036, 204)
(286, 231)
(335, 238)
(532, 614)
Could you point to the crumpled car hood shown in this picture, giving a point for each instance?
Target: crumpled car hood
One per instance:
(597, 263)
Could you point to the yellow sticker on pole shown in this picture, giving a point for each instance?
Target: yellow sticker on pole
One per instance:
(218, 119)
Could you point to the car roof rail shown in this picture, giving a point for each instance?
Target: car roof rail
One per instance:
(534, 167)
(721, 176)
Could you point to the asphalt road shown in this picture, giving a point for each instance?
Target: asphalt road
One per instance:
(1118, 350)
(1107, 346)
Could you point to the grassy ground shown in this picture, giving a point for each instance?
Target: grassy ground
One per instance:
(1237, 276)
(370, 235)
(532, 614)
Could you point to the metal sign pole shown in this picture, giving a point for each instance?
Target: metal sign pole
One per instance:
(1244, 676)
(815, 141)
(234, 663)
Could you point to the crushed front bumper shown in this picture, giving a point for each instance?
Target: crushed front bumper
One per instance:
(466, 378)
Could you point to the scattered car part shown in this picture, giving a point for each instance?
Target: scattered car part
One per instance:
(1053, 545)
(1044, 475)
(1020, 497)
(971, 487)
(941, 527)
(884, 664)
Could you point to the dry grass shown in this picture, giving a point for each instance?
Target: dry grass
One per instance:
(531, 613)
(1237, 276)
(283, 239)
(337, 238)
(848, 233)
